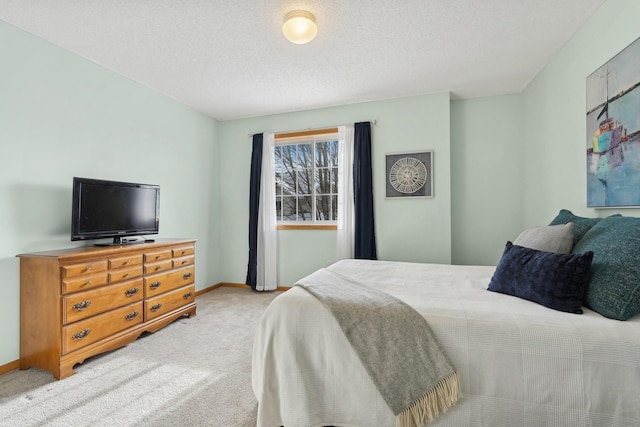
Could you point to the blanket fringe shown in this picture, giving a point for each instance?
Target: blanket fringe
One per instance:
(427, 408)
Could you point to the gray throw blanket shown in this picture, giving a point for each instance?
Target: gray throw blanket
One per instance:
(395, 345)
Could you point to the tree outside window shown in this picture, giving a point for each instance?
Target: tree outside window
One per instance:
(307, 181)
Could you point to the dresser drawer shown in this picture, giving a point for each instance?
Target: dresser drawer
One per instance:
(182, 261)
(165, 303)
(93, 329)
(157, 256)
(164, 282)
(125, 274)
(83, 283)
(182, 251)
(88, 303)
(157, 267)
(85, 268)
(124, 262)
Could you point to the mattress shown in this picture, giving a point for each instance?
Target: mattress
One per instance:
(520, 364)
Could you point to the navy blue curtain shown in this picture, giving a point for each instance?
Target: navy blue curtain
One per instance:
(364, 233)
(254, 203)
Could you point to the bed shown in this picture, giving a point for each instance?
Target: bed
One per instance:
(520, 363)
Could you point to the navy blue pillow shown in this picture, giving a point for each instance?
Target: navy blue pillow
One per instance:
(557, 281)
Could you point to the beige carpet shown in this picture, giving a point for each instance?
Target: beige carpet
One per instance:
(194, 372)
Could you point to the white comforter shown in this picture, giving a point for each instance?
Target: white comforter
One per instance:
(521, 364)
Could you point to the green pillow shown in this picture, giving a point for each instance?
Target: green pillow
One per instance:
(614, 287)
(580, 224)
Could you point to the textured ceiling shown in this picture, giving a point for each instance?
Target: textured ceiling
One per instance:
(228, 58)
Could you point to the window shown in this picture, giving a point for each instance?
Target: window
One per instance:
(306, 175)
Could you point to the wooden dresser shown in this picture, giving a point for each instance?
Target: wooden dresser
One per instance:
(76, 303)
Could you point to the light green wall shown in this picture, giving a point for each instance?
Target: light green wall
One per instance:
(408, 230)
(555, 115)
(62, 116)
(486, 177)
(537, 161)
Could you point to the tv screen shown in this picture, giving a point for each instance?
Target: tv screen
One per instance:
(115, 209)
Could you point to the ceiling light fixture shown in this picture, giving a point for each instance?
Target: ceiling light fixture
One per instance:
(299, 27)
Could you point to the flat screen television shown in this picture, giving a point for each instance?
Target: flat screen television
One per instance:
(104, 209)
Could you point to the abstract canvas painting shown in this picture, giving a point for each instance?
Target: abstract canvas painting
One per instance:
(613, 131)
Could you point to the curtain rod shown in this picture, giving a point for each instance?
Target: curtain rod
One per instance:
(373, 122)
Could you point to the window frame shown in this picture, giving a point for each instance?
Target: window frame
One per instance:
(306, 137)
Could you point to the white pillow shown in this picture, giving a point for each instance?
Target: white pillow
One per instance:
(548, 238)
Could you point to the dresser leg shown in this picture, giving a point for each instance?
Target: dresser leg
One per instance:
(65, 371)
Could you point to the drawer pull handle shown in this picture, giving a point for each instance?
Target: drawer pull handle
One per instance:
(127, 262)
(158, 257)
(82, 334)
(183, 252)
(125, 275)
(82, 305)
(187, 295)
(186, 276)
(89, 283)
(131, 316)
(156, 307)
(88, 268)
(158, 267)
(183, 262)
(131, 292)
(155, 285)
